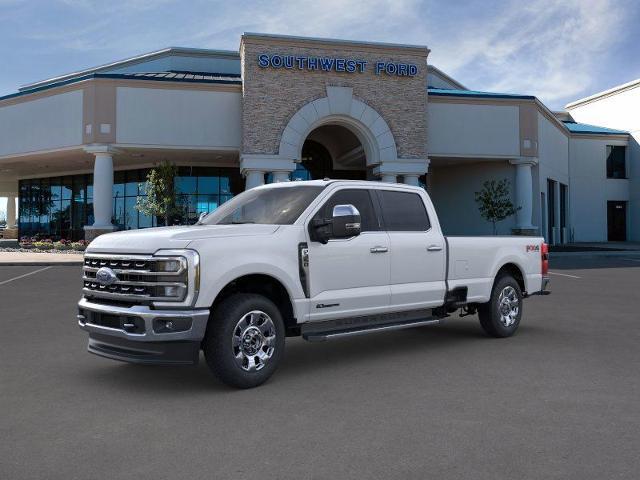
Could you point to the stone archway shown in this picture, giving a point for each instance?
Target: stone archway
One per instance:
(339, 107)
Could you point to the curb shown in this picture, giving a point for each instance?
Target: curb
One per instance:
(70, 263)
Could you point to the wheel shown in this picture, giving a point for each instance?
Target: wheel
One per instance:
(501, 316)
(244, 341)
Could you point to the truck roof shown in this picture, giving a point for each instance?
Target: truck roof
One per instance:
(328, 181)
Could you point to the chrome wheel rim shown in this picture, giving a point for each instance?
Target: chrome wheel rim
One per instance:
(254, 341)
(508, 306)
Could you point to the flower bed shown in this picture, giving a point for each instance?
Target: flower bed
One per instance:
(36, 244)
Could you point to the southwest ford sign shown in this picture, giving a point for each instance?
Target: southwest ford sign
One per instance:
(334, 64)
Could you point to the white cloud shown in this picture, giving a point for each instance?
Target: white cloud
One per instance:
(547, 48)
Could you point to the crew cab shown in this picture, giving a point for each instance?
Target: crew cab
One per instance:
(319, 259)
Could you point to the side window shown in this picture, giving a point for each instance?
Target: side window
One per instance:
(359, 199)
(403, 211)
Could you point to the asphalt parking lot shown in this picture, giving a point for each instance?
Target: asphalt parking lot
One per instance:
(558, 400)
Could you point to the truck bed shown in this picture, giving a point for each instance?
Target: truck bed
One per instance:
(474, 262)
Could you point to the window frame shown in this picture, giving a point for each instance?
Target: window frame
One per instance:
(323, 203)
(625, 175)
(378, 196)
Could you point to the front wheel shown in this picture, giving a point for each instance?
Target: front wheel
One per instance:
(244, 340)
(500, 317)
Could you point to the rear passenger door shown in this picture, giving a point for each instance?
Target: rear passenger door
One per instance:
(417, 252)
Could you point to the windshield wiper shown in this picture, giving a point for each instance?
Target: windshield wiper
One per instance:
(238, 222)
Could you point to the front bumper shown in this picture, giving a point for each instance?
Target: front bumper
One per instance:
(139, 334)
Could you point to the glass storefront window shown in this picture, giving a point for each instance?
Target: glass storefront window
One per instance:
(60, 207)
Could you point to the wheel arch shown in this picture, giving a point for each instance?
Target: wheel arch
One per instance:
(515, 271)
(266, 285)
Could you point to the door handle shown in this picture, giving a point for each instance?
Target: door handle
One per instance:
(434, 248)
(378, 249)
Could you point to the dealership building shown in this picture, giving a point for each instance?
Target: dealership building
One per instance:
(75, 149)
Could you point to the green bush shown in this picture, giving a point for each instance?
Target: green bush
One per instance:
(78, 246)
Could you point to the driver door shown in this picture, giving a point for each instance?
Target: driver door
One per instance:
(350, 277)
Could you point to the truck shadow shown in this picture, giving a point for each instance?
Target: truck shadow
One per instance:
(303, 358)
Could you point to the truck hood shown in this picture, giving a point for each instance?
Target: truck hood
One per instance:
(150, 240)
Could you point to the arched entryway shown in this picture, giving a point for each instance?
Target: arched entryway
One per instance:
(332, 151)
(337, 136)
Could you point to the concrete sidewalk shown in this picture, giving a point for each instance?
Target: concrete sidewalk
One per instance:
(37, 259)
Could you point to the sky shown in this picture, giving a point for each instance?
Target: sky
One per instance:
(557, 50)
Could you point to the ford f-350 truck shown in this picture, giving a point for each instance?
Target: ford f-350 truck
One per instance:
(317, 259)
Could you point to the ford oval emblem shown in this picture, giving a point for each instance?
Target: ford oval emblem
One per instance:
(105, 276)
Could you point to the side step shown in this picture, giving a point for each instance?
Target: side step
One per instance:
(362, 330)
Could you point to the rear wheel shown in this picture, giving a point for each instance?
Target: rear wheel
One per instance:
(500, 317)
(244, 340)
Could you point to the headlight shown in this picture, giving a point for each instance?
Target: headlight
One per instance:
(170, 265)
(180, 283)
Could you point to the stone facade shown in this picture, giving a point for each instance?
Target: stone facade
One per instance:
(272, 96)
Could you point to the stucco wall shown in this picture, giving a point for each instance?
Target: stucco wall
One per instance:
(473, 129)
(190, 118)
(271, 96)
(590, 190)
(553, 163)
(43, 124)
(620, 111)
(452, 189)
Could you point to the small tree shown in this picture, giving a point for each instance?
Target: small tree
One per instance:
(494, 202)
(161, 199)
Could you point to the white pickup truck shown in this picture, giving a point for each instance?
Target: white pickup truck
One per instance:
(317, 259)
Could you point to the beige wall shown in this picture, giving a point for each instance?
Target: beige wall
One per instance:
(178, 117)
(272, 96)
(473, 129)
(45, 123)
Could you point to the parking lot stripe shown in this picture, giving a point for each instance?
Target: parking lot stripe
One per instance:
(564, 275)
(25, 275)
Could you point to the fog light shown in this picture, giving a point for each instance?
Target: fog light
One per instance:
(169, 325)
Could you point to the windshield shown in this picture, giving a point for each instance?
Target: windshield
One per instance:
(271, 206)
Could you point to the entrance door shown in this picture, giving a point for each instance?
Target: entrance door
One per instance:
(551, 210)
(617, 221)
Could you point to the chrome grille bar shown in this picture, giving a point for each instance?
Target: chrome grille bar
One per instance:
(139, 278)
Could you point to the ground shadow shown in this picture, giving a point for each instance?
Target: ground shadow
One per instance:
(301, 358)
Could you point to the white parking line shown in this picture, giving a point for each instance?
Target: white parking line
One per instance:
(25, 275)
(564, 275)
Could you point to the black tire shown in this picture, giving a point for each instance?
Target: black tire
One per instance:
(230, 353)
(491, 314)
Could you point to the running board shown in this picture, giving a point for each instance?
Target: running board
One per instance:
(352, 332)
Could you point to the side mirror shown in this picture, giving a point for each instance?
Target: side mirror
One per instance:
(201, 216)
(345, 222)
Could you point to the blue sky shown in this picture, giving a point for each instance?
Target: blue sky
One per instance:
(557, 50)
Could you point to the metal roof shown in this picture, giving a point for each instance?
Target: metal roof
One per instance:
(585, 128)
(187, 77)
(177, 75)
(135, 60)
(444, 92)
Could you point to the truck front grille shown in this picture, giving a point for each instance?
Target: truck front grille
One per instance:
(135, 279)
